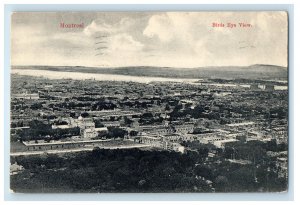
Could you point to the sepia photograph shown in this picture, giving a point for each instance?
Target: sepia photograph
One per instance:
(149, 102)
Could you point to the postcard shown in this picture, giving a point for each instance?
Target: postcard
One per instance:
(149, 102)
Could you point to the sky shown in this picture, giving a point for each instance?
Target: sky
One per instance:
(168, 39)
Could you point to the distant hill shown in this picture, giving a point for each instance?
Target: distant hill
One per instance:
(224, 72)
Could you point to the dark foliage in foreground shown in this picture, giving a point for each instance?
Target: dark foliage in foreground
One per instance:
(135, 171)
(109, 171)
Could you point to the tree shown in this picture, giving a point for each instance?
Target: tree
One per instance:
(147, 115)
(203, 171)
(167, 107)
(98, 123)
(36, 106)
(114, 132)
(133, 133)
(221, 183)
(85, 114)
(127, 121)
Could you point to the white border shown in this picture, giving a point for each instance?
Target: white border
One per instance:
(294, 85)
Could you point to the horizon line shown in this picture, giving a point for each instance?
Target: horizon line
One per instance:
(154, 66)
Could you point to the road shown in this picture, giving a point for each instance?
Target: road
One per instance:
(15, 154)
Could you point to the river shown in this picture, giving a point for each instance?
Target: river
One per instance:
(113, 77)
(96, 76)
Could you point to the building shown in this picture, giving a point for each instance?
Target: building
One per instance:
(172, 137)
(86, 125)
(280, 134)
(222, 143)
(111, 124)
(107, 114)
(159, 130)
(240, 126)
(184, 128)
(26, 96)
(178, 147)
(61, 126)
(153, 141)
(209, 140)
(59, 145)
(172, 146)
(89, 133)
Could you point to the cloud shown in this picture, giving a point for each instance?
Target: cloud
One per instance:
(124, 43)
(178, 39)
(98, 26)
(191, 35)
(160, 26)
